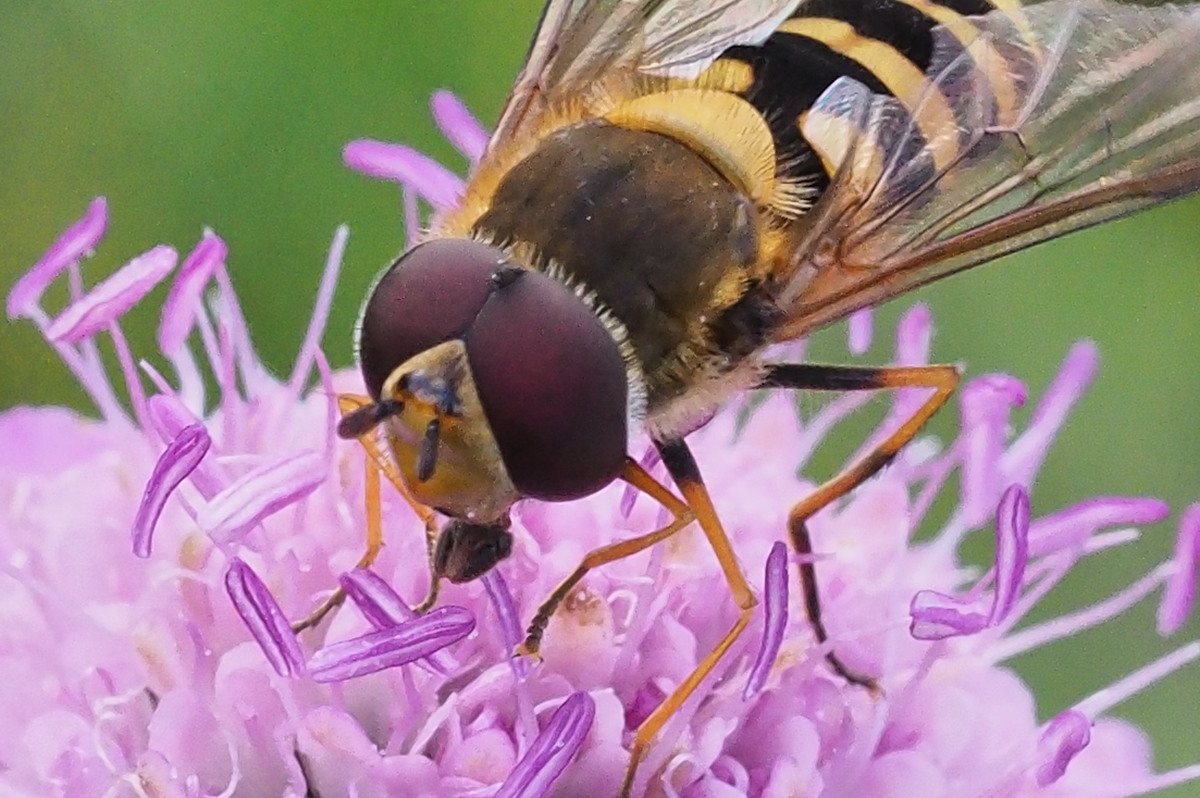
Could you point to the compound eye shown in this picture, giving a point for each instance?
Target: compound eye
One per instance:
(553, 385)
(430, 295)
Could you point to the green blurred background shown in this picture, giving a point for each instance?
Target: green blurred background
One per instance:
(233, 115)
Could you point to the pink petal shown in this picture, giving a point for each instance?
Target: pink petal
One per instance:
(459, 125)
(186, 296)
(178, 460)
(113, 297)
(77, 242)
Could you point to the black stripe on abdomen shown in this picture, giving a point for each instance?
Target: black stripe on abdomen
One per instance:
(791, 70)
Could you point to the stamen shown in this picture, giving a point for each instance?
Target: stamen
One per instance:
(1103, 700)
(393, 646)
(1180, 590)
(1023, 459)
(1066, 625)
(552, 750)
(1012, 551)
(775, 597)
(459, 125)
(380, 605)
(860, 330)
(433, 182)
(1064, 737)
(936, 616)
(320, 312)
(185, 299)
(266, 621)
(77, 242)
(506, 613)
(1074, 526)
(112, 297)
(984, 408)
(262, 492)
(181, 456)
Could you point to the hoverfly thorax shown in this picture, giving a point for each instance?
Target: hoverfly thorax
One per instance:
(491, 382)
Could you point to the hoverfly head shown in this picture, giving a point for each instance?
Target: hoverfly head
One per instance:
(493, 381)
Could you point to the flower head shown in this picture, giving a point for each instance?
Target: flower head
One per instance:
(153, 556)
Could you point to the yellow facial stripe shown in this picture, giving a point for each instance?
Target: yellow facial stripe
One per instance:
(902, 78)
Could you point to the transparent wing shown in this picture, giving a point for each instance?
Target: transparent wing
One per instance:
(1082, 111)
(578, 41)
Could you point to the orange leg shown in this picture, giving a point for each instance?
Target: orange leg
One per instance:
(682, 466)
(377, 462)
(942, 379)
(636, 476)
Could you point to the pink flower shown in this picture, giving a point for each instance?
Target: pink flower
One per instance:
(153, 555)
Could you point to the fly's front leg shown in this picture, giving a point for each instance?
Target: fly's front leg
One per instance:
(681, 516)
(377, 462)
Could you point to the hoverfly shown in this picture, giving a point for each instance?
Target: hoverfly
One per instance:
(675, 185)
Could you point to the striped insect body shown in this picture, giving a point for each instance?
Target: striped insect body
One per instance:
(676, 185)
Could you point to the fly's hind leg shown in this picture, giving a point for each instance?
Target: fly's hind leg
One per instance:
(377, 462)
(810, 377)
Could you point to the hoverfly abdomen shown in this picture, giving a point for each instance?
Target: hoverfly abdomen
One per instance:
(890, 47)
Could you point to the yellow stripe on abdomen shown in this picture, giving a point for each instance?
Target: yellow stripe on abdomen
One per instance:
(923, 101)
